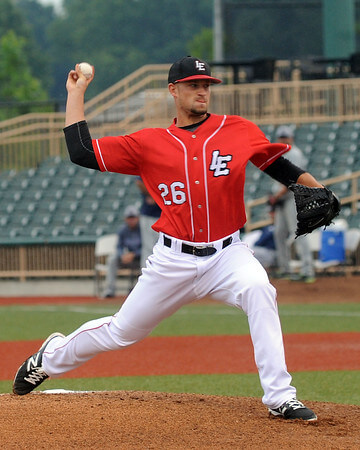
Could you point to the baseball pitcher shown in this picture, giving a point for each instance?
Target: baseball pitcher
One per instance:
(195, 171)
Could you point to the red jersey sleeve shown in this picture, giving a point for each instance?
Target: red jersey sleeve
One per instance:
(264, 153)
(121, 154)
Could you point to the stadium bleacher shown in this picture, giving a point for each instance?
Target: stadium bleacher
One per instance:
(59, 201)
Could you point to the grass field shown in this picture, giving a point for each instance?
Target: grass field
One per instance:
(23, 322)
(20, 322)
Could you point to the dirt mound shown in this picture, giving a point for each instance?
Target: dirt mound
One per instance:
(134, 420)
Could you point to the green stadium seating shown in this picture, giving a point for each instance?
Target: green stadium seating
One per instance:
(324, 135)
(59, 199)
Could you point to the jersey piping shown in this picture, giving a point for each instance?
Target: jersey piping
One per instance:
(187, 181)
(266, 163)
(205, 175)
(102, 159)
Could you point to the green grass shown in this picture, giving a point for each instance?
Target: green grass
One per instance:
(22, 322)
(335, 387)
(219, 319)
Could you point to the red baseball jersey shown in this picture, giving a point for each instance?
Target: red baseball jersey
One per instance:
(197, 178)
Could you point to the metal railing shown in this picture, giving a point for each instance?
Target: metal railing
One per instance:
(47, 260)
(142, 100)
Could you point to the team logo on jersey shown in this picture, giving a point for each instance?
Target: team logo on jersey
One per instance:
(219, 163)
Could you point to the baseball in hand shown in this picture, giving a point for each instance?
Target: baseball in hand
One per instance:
(86, 70)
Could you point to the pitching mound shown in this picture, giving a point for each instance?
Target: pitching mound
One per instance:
(139, 420)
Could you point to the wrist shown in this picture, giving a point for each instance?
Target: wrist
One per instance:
(74, 108)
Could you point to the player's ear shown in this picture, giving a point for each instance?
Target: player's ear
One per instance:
(172, 89)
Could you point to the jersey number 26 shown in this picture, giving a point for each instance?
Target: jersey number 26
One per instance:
(174, 194)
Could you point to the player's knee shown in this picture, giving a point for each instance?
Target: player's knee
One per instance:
(124, 334)
(256, 296)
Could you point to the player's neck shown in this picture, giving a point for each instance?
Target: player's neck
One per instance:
(190, 121)
(194, 126)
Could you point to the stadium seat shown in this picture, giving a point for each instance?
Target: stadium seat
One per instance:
(68, 170)
(320, 172)
(58, 231)
(354, 125)
(349, 135)
(344, 188)
(37, 232)
(345, 158)
(88, 206)
(62, 219)
(41, 219)
(105, 246)
(346, 147)
(101, 230)
(47, 172)
(79, 230)
(304, 138)
(4, 221)
(307, 127)
(325, 148)
(324, 135)
(307, 149)
(10, 207)
(15, 232)
(318, 158)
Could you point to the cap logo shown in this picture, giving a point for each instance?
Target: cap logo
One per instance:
(200, 65)
(190, 68)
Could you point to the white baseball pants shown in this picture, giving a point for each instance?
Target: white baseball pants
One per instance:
(172, 279)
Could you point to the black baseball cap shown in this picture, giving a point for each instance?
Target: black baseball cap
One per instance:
(190, 68)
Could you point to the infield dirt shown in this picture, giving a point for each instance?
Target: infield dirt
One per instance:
(144, 420)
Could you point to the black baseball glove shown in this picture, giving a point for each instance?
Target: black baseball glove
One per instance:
(316, 207)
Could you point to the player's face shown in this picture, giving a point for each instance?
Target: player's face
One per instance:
(191, 97)
(285, 140)
(132, 221)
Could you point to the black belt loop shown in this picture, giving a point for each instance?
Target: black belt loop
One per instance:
(202, 250)
(227, 242)
(167, 242)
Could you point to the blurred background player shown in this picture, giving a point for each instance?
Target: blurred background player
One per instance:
(285, 221)
(149, 213)
(262, 243)
(264, 247)
(128, 250)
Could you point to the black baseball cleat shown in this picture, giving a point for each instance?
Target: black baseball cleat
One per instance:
(293, 409)
(31, 374)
